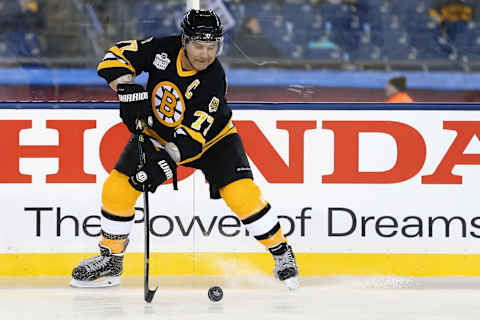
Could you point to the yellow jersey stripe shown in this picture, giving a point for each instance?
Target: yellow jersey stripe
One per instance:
(116, 51)
(114, 64)
(154, 135)
(193, 134)
(227, 130)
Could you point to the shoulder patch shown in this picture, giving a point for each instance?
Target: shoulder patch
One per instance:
(213, 105)
(161, 61)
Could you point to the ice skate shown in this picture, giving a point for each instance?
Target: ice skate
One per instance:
(99, 271)
(286, 269)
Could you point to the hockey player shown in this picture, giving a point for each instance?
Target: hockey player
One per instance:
(188, 122)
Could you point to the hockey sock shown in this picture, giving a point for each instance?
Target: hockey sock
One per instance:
(118, 201)
(115, 231)
(279, 249)
(265, 227)
(245, 199)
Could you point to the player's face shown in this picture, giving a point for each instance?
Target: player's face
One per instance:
(201, 53)
(390, 90)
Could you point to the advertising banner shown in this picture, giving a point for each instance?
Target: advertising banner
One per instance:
(375, 182)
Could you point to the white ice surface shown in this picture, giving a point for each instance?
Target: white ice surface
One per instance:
(246, 298)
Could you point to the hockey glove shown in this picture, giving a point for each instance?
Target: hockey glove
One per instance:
(159, 167)
(134, 106)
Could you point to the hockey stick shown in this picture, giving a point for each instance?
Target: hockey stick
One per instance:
(148, 294)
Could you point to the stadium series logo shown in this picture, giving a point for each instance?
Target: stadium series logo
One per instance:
(161, 61)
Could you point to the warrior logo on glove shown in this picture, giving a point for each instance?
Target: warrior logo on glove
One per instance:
(166, 168)
(132, 97)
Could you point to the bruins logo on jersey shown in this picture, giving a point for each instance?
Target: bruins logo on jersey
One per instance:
(168, 104)
(213, 105)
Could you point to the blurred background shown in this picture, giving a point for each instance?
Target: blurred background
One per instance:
(282, 50)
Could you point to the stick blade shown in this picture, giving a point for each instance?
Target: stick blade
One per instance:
(149, 295)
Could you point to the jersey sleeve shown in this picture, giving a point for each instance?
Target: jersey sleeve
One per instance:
(126, 57)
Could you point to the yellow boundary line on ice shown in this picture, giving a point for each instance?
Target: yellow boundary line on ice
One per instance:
(310, 264)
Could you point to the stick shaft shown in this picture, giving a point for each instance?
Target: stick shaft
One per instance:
(148, 294)
(146, 214)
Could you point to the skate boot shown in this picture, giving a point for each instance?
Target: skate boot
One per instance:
(286, 269)
(103, 270)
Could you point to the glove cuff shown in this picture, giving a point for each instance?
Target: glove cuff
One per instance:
(136, 184)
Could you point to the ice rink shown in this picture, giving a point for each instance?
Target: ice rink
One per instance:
(256, 297)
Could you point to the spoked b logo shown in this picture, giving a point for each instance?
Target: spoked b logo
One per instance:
(168, 104)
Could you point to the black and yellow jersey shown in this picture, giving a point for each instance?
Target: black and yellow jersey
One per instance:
(190, 100)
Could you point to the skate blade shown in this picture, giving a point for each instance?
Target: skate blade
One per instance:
(100, 283)
(292, 283)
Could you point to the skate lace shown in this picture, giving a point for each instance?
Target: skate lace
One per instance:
(95, 263)
(285, 261)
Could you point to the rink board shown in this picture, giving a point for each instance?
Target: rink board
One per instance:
(359, 189)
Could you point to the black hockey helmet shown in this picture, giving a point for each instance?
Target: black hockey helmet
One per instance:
(202, 25)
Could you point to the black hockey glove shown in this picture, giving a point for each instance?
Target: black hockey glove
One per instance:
(158, 168)
(134, 105)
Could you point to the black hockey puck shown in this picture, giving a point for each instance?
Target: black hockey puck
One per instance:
(215, 294)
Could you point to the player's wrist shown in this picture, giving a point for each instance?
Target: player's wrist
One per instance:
(125, 79)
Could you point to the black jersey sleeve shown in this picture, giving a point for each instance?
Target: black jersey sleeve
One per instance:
(126, 57)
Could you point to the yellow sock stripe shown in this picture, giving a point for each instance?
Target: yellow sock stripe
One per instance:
(310, 264)
(274, 240)
(116, 246)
